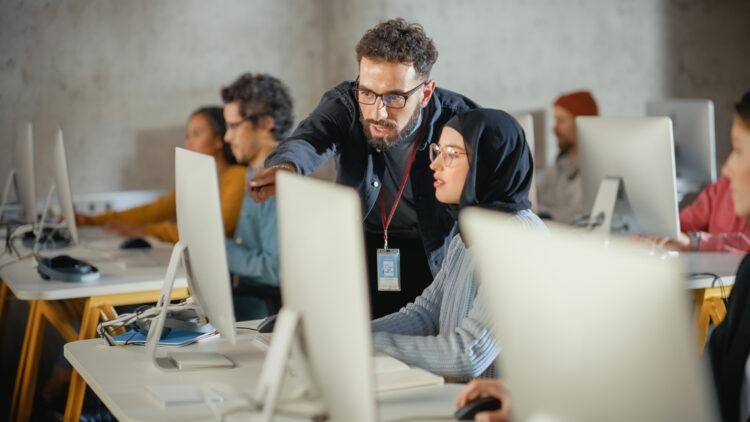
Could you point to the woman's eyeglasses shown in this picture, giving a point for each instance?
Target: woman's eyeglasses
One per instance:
(449, 154)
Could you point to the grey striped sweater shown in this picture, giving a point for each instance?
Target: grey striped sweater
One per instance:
(446, 329)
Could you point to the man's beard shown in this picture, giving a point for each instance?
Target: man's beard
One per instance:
(384, 143)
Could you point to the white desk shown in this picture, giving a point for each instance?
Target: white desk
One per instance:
(52, 301)
(119, 375)
(724, 265)
(116, 276)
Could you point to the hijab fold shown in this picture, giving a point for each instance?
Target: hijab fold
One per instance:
(500, 163)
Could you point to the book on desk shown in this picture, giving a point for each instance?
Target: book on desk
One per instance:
(173, 338)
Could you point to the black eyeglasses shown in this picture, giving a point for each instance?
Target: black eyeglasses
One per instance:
(392, 100)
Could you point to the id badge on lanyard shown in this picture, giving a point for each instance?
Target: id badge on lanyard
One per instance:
(389, 270)
(389, 259)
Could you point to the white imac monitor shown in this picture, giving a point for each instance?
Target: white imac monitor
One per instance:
(62, 185)
(201, 249)
(201, 229)
(594, 334)
(25, 181)
(694, 139)
(638, 153)
(526, 121)
(324, 282)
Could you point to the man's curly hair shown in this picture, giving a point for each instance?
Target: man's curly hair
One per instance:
(399, 41)
(262, 95)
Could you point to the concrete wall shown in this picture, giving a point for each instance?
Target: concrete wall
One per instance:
(121, 77)
(708, 46)
(519, 55)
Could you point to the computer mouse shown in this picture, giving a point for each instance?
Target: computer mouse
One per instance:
(481, 404)
(266, 326)
(66, 268)
(135, 243)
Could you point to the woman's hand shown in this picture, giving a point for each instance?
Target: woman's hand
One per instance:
(681, 243)
(83, 220)
(487, 387)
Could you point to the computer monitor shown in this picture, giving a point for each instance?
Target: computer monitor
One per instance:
(526, 121)
(324, 281)
(62, 186)
(694, 139)
(201, 247)
(201, 228)
(25, 183)
(639, 154)
(595, 333)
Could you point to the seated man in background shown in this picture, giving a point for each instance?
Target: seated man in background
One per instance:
(559, 187)
(204, 134)
(258, 112)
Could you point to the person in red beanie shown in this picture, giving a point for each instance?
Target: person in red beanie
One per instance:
(559, 187)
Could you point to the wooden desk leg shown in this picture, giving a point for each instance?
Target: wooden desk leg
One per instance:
(77, 389)
(3, 299)
(22, 358)
(58, 315)
(33, 351)
(92, 310)
(26, 377)
(699, 295)
(701, 316)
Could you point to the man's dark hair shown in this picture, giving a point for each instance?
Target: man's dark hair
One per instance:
(399, 41)
(743, 108)
(262, 95)
(215, 116)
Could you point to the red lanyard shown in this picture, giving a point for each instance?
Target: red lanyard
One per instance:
(381, 198)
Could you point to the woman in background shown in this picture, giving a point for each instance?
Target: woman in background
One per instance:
(204, 134)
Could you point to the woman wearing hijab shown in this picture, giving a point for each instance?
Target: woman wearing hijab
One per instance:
(482, 159)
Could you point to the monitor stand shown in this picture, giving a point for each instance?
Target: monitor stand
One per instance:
(6, 191)
(44, 237)
(600, 219)
(178, 360)
(285, 356)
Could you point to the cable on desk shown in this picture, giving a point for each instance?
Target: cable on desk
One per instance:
(715, 279)
(246, 328)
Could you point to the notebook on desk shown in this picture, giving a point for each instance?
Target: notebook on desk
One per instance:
(392, 374)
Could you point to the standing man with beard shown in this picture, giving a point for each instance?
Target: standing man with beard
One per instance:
(379, 127)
